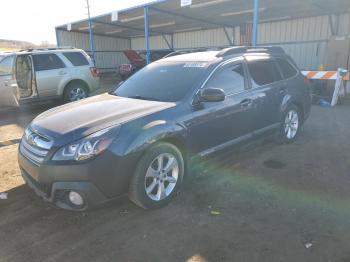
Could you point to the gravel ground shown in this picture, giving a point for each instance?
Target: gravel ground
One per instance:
(266, 202)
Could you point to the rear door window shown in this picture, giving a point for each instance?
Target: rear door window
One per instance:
(44, 62)
(231, 79)
(286, 67)
(263, 72)
(76, 58)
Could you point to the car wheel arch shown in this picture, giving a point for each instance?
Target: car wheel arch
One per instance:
(301, 110)
(287, 101)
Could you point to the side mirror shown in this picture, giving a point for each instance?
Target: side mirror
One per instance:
(212, 95)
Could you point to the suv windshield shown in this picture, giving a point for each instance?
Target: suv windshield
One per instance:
(163, 81)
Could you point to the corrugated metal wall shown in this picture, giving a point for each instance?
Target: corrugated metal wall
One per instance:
(344, 24)
(304, 39)
(203, 38)
(105, 59)
(155, 42)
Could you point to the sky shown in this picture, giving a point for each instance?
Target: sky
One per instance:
(35, 20)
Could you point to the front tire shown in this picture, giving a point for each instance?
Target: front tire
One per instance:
(158, 176)
(290, 124)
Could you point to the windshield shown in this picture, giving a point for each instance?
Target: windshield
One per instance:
(165, 81)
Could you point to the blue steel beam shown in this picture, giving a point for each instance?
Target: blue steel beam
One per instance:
(57, 37)
(145, 9)
(92, 44)
(255, 23)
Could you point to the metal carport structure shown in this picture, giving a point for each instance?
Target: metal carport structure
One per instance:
(166, 19)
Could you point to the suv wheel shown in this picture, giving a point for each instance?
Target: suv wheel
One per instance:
(158, 176)
(75, 92)
(290, 124)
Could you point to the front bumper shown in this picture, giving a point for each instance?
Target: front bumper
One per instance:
(97, 181)
(57, 193)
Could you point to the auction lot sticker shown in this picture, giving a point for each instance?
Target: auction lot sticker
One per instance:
(195, 64)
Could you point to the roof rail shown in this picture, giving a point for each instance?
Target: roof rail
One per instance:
(249, 49)
(47, 48)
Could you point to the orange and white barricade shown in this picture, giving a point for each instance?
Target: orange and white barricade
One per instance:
(339, 76)
(324, 75)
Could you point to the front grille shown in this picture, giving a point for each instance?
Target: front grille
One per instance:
(61, 196)
(34, 146)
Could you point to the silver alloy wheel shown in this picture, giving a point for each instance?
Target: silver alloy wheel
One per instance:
(291, 124)
(77, 93)
(161, 176)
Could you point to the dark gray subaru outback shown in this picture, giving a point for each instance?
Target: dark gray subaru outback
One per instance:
(141, 138)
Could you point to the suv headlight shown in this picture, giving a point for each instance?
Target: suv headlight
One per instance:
(87, 147)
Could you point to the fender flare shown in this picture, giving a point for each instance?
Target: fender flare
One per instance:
(157, 131)
(287, 101)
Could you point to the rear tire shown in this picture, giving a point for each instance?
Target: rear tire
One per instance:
(74, 92)
(158, 176)
(290, 125)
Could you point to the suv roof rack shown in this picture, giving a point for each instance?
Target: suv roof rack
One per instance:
(47, 49)
(249, 49)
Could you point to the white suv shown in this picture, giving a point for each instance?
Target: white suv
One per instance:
(44, 74)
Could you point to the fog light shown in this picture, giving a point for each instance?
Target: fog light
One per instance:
(75, 198)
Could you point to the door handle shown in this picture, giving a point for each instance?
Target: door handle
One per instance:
(62, 73)
(246, 103)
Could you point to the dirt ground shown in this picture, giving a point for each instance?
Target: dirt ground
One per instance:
(267, 202)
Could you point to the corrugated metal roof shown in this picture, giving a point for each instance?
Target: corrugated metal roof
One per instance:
(168, 17)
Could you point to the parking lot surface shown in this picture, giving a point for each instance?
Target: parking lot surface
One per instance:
(268, 202)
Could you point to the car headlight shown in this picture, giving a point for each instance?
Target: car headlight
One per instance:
(87, 147)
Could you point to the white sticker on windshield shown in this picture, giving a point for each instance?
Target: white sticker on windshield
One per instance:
(195, 64)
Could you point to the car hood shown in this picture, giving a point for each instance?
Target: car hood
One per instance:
(75, 120)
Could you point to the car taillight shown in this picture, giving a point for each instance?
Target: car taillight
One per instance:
(94, 71)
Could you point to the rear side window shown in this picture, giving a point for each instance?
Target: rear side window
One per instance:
(263, 72)
(6, 66)
(287, 69)
(76, 58)
(230, 79)
(47, 62)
